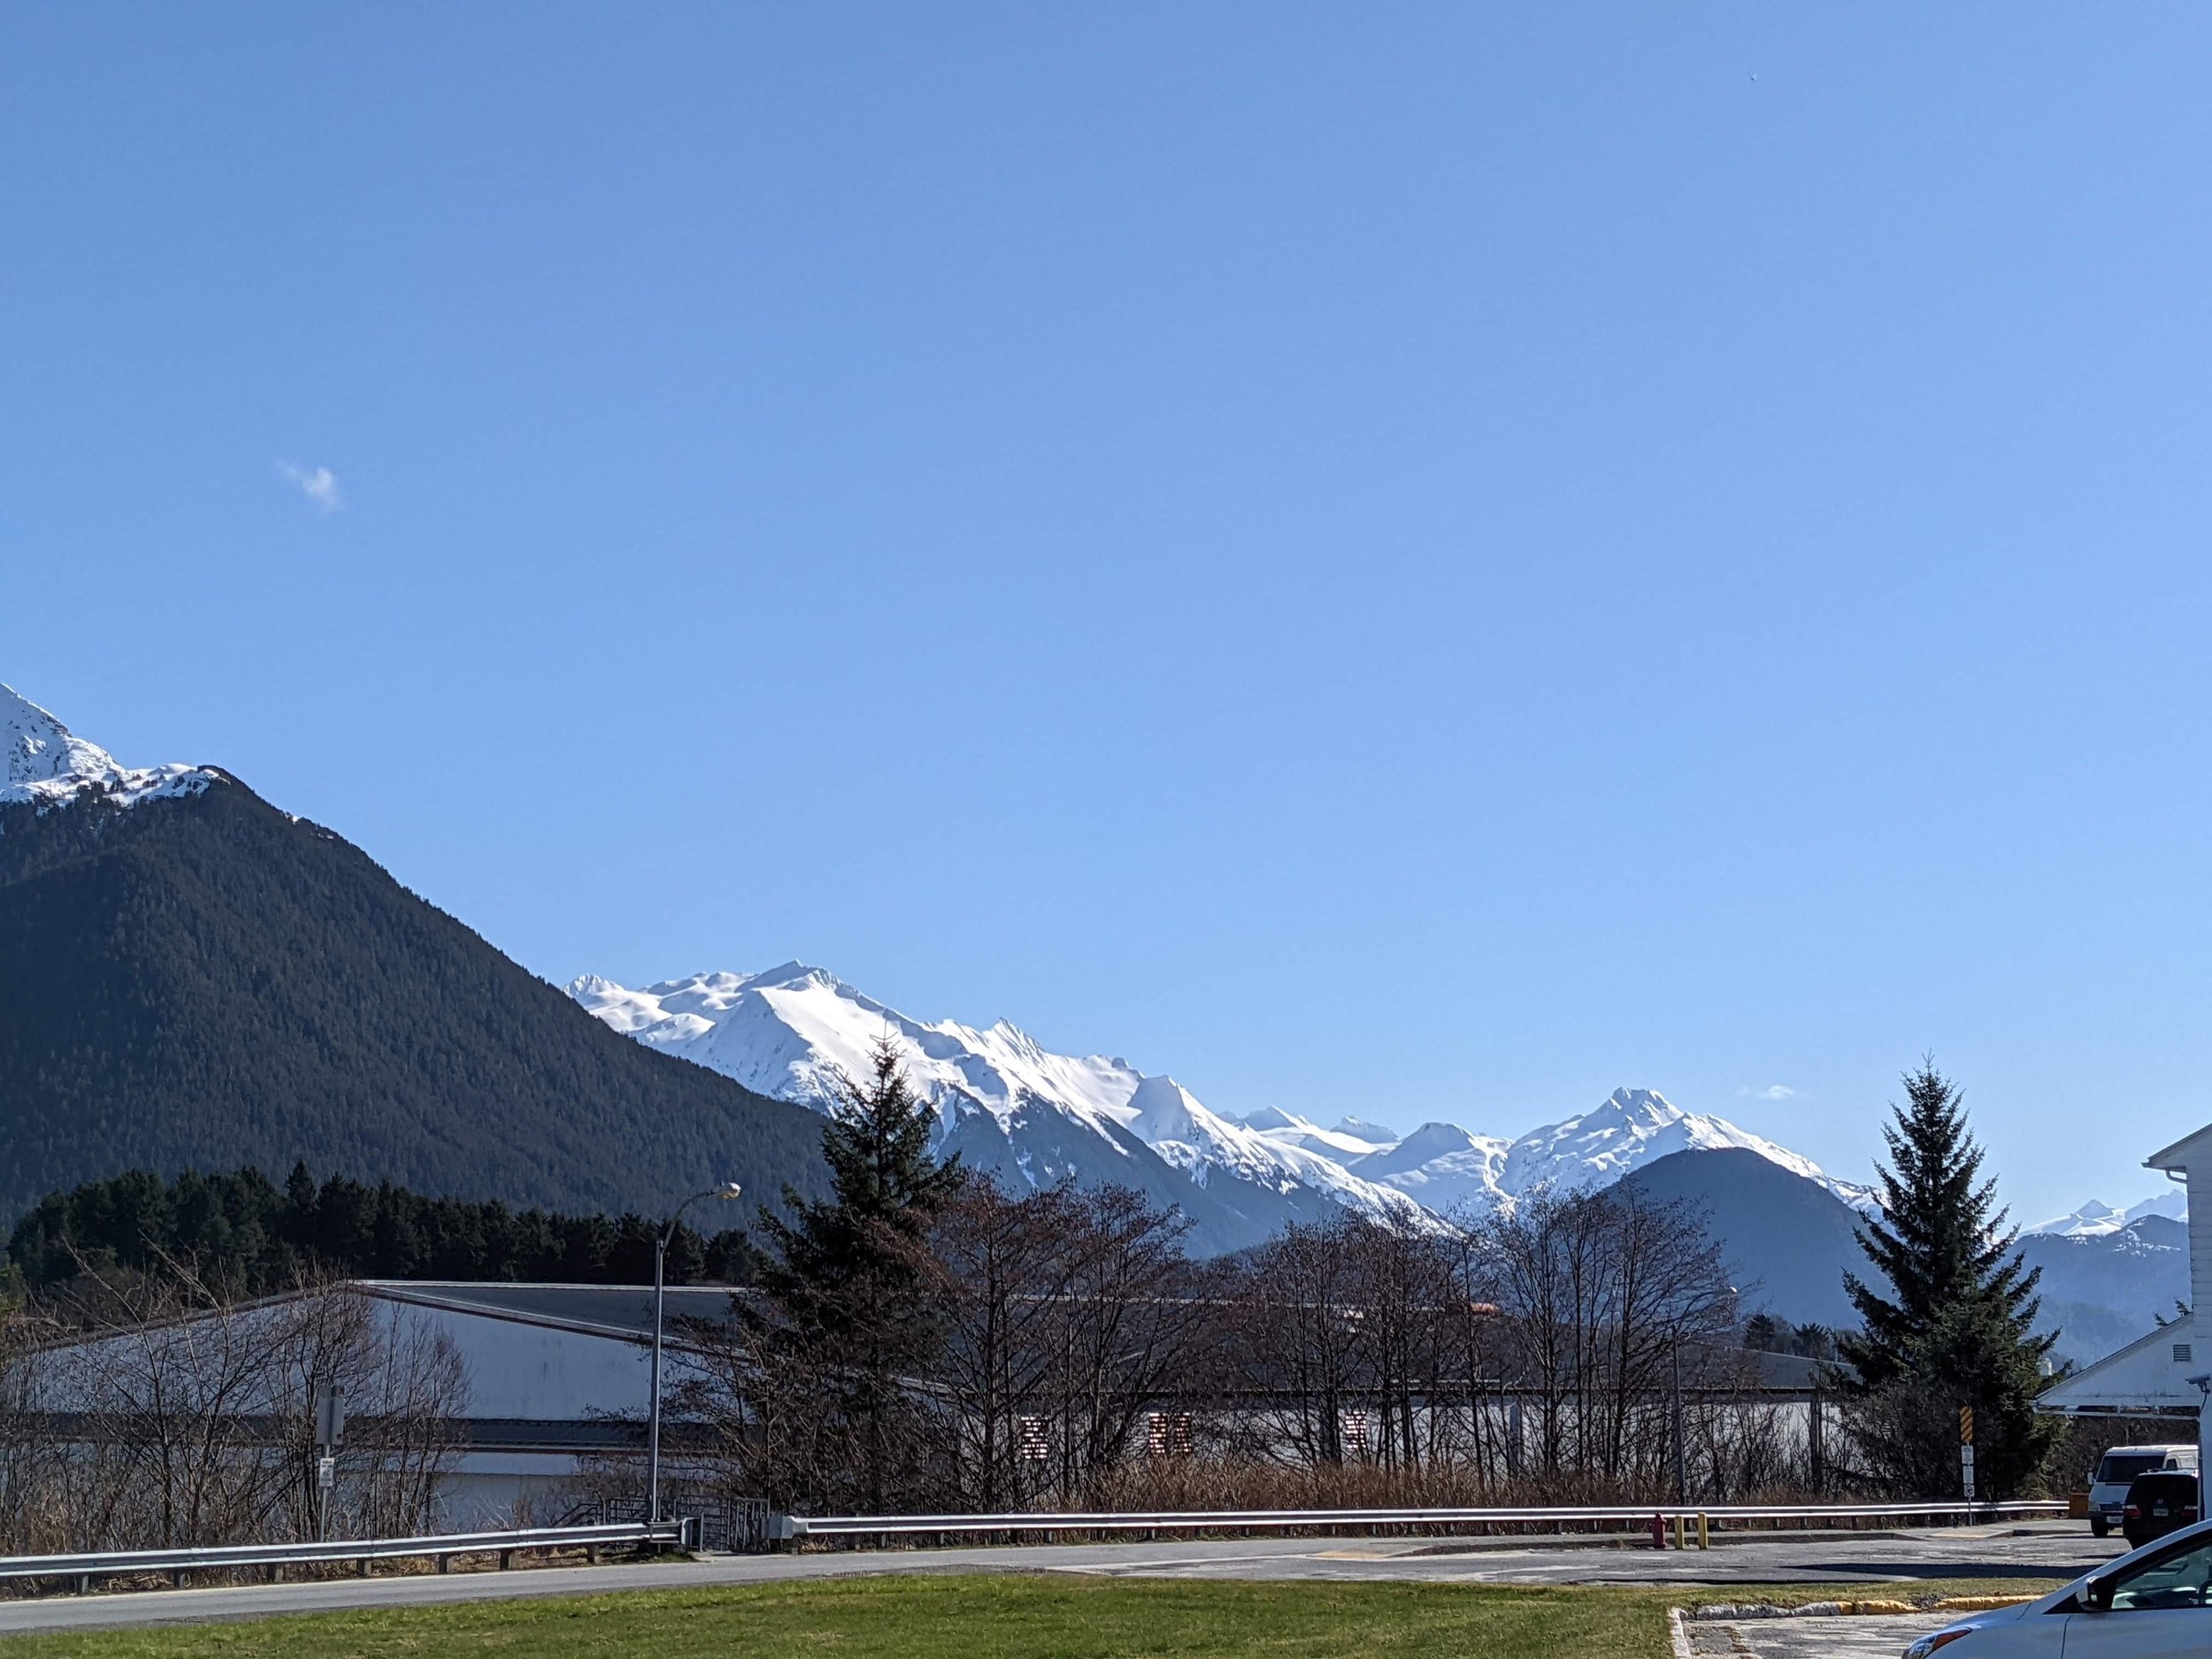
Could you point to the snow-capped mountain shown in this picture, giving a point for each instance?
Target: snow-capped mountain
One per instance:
(43, 762)
(1003, 1101)
(1352, 1138)
(2094, 1220)
(1010, 1105)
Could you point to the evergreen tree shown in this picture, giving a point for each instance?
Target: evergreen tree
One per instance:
(1957, 1327)
(849, 1292)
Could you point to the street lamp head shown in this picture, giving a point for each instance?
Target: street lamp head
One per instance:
(729, 1192)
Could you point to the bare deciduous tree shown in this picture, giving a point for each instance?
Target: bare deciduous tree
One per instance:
(163, 1413)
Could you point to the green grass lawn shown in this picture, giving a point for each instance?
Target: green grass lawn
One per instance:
(977, 1617)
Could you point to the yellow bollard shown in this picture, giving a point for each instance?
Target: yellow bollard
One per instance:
(1704, 1537)
(1681, 1539)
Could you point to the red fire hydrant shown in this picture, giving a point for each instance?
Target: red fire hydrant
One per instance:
(1658, 1530)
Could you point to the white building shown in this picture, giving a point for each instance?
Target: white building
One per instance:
(551, 1378)
(2167, 1371)
(556, 1372)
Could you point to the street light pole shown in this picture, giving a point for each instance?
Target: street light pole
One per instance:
(1681, 1450)
(1681, 1457)
(729, 1191)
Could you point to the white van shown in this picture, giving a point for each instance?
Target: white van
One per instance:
(2119, 1466)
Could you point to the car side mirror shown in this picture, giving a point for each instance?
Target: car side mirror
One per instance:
(2096, 1595)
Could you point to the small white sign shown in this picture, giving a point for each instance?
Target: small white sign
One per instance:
(326, 1472)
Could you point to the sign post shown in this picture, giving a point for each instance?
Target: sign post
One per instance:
(1966, 1451)
(330, 1427)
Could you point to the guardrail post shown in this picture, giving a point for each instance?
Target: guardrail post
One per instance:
(445, 1564)
(1704, 1539)
(506, 1560)
(84, 1583)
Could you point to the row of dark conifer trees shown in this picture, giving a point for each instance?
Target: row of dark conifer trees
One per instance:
(249, 1236)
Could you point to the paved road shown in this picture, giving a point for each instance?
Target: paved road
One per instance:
(2050, 1549)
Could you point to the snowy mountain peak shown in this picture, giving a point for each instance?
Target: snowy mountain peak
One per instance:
(42, 761)
(1002, 1100)
(1642, 1105)
(2095, 1220)
(1008, 1104)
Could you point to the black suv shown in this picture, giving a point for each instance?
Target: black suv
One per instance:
(2158, 1504)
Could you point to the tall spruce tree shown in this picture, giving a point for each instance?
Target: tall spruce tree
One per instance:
(848, 1312)
(1957, 1328)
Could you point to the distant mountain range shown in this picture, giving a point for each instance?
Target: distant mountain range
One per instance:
(2094, 1220)
(1008, 1104)
(2102, 1290)
(196, 979)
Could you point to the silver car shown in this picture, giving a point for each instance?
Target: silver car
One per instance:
(2155, 1602)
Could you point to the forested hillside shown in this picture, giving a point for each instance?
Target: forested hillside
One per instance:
(207, 983)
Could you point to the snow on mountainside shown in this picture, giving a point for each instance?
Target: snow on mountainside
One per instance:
(791, 1031)
(1448, 1168)
(43, 762)
(1350, 1139)
(1635, 1126)
(2094, 1220)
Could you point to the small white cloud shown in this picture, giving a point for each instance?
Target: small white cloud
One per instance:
(1772, 1091)
(318, 484)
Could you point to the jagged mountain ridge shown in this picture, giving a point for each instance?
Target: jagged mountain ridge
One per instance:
(2095, 1220)
(45, 764)
(1002, 1101)
(791, 1030)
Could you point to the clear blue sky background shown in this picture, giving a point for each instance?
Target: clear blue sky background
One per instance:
(1419, 560)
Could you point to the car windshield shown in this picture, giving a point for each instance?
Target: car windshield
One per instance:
(2119, 1467)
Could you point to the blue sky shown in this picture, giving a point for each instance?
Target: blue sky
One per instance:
(1415, 560)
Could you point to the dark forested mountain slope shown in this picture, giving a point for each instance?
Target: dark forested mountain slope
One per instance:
(204, 981)
(1789, 1243)
(1786, 1240)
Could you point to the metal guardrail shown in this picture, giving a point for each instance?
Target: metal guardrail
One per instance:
(1292, 1520)
(86, 1569)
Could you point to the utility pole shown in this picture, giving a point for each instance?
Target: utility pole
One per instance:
(1815, 1451)
(1681, 1456)
(728, 1192)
